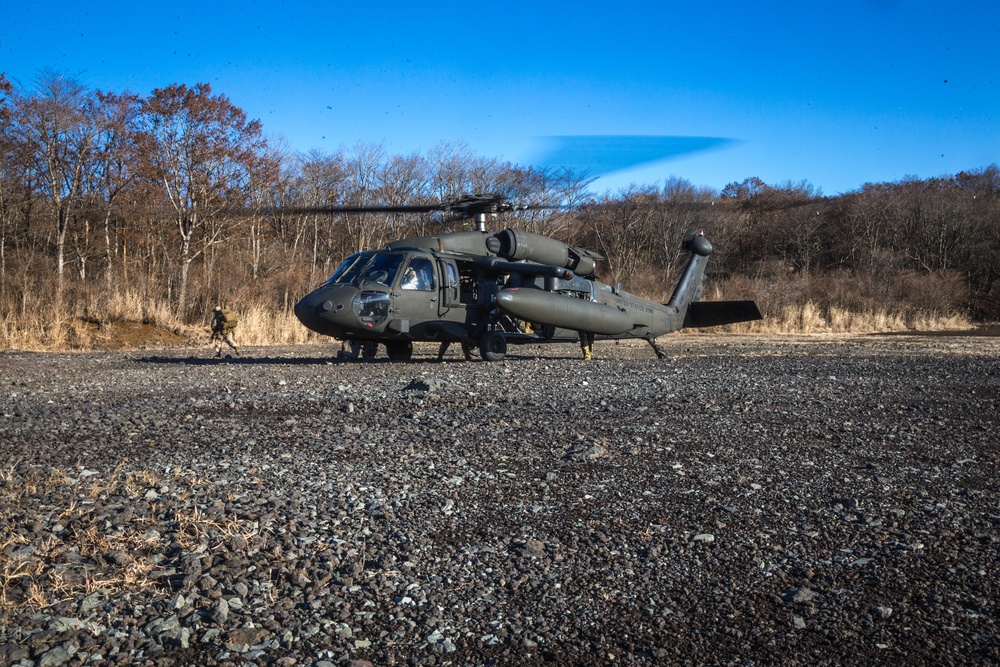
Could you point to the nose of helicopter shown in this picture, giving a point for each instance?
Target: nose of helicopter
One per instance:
(324, 310)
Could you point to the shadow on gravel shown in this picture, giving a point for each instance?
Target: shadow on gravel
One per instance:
(990, 331)
(324, 361)
(242, 361)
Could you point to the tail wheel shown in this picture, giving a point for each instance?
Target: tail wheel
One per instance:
(399, 351)
(493, 346)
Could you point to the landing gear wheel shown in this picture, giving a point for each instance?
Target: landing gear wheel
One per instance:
(399, 351)
(493, 346)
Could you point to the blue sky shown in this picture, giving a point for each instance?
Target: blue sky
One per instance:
(837, 94)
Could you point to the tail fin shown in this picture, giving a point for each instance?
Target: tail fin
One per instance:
(688, 291)
(689, 287)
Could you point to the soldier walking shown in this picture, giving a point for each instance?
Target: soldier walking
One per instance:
(223, 325)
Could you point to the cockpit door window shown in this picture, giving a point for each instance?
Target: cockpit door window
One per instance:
(419, 275)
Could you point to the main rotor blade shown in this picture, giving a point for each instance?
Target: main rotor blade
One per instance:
(402, 208)
(465, 206)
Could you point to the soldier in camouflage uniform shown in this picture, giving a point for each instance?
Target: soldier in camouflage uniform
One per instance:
(223, 325)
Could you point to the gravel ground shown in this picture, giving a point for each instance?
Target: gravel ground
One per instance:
(749, 501)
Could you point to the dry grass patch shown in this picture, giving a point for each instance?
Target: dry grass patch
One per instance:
(793, 303)
(62, 539)
(811, 318)
(260, 325)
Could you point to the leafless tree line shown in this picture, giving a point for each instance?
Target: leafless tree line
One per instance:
(179, 198)
(943, 232)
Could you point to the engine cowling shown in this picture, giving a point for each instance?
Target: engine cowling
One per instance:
(515, 244)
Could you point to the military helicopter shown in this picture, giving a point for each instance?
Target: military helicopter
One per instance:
(489, 290)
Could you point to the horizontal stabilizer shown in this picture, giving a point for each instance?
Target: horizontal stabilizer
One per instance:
(717, 313)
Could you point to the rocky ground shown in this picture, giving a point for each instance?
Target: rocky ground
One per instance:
(749, 501)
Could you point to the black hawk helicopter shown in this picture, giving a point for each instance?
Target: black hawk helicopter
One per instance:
(488, 290)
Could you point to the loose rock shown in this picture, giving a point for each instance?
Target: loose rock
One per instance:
(755, 500)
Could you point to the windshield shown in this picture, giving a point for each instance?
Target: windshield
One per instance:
(375, 267)
(382, 268)
(349, 268)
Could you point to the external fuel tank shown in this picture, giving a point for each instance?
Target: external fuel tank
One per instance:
(563, 311)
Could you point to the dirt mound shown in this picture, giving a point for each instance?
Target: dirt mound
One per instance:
(130, 335)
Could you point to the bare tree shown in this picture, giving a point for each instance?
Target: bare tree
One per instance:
(8, 169)
(361, 188)
(864, 225)
(449, 166)
(56, 129)
(619, 228)
(404, 180)
(260, 193)
(201, 150)
(117, 166)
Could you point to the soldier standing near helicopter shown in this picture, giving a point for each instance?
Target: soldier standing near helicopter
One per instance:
(587, 345)
(223, 324)
(466, 349)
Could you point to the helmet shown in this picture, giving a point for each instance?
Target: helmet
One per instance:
(218, 309)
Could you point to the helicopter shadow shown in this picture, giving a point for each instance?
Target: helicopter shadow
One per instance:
(284, 361)
(239, 361)
(324, 361)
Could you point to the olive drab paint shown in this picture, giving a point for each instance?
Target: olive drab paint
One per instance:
(488, 290)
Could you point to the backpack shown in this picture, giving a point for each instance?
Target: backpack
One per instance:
(229, 319)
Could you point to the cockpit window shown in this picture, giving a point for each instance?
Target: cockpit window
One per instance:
(376, 267)
(349, 268)
(382, 268)
(419, 275)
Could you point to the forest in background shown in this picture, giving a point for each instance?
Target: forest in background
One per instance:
(116, 207)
